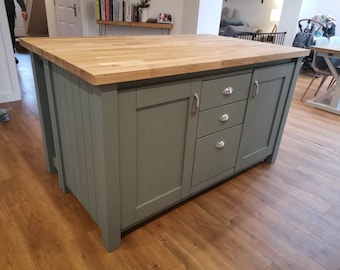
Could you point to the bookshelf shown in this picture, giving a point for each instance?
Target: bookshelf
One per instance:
(162, 26)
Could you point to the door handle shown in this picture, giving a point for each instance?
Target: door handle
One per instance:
(74, 7)
(257, 89)
(197, 104)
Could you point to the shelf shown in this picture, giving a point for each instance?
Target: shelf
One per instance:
(138, 24)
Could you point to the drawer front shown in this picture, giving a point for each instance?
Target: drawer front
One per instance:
(215, 154)
(226, 90)
(217, 119)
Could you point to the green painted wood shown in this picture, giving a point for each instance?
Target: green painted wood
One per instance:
(86, 131)
(211, 160)
(166, 93)
(210, 120)
(41, 84)
(212, 89)
(48, 67)
(73, 147)
(191, 139)
(160, 143)
(78, 120)
(61, 103)
(164, 133)
(212, 181)
(128, 154)
(264, 114)
(86, 125)
(286, 104)
(105, 140)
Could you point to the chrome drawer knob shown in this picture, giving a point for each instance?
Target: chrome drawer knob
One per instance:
(220, 145)
(228, 91)
(224, 117)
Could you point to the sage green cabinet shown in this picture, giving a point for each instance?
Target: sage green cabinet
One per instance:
(129, 150)
(223, 103)
(266, 103)
(157, 130)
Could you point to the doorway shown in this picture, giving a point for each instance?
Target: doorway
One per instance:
(68, 17)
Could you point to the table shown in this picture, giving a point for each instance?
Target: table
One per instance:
(330, 99)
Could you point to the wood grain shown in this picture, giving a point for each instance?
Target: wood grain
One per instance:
(105, 60)
(138, 24)
(280, 216)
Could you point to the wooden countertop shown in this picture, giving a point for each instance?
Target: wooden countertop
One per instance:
(106, 60)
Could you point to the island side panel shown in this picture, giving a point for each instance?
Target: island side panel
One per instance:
(86, 120)
(272, 158)
(106, 163)
(44, 110)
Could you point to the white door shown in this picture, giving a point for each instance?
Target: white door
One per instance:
(9, 89)
(68, 15)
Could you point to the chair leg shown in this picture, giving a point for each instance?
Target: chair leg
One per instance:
(315, 75)
(324, 78)
(332, 82)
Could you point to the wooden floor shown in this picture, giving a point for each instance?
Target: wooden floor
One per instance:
(280, 216)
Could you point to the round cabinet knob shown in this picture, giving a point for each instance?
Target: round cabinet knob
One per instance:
(224, 117)
(220, 145)
(228, 91)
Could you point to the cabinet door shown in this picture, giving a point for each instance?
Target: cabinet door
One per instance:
(157, 140)
(266, 102)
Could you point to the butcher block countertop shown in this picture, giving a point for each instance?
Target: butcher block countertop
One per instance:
(115, 59)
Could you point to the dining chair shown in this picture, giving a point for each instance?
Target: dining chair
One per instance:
(320, 67)
(334, 40)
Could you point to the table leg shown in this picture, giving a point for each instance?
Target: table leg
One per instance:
(320, 100)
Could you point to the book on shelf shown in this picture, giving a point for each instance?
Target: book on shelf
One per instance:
(102, 10)
(128, 11)
(116, 10)
(98, 10)
(107, 10)
(121, 5)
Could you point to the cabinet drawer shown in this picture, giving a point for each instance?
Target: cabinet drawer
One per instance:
(215, 153)
(217, 119)
(214, 94)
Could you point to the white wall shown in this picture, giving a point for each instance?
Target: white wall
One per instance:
(209, 16)
(189, 17)
(189, 21)
(254, 13)
(10, 89)
(175, 7)
(51, 19)
(289, 18)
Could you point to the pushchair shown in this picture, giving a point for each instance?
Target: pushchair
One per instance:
(319, 25)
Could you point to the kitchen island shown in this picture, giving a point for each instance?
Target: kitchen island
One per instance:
(136, 124)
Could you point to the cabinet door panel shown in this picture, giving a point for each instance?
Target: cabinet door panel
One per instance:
(160, 142)
(157, 147)
(264, 113)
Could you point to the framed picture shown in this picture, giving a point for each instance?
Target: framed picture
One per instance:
(165, 18)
